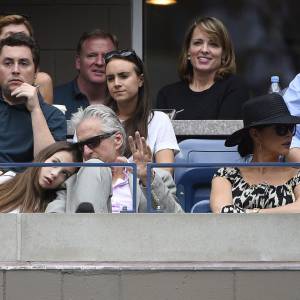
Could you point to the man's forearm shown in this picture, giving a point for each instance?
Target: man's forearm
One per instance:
(42, 136)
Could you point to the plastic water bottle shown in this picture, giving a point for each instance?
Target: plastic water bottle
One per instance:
(275, 86)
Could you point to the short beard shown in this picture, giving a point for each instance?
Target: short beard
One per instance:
(6, 93)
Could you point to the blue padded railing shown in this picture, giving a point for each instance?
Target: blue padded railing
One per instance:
(204, 165)
(77, 164)
(149, 168)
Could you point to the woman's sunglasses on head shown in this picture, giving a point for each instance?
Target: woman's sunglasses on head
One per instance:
(94, 141)
(122, 53)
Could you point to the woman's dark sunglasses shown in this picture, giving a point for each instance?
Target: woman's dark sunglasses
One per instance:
(283, 129)
(94, 141)
(123, 53)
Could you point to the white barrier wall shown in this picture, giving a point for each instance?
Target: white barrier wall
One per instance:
(149, 256)
(150, 237)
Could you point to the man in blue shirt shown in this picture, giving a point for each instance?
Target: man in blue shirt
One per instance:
(292, 100)
(90, 85)
(27, 123)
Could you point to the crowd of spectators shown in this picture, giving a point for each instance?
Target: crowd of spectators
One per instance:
(108, 104)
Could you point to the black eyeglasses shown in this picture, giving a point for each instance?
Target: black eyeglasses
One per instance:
(123, 53)
(94, 141)
(283, 129)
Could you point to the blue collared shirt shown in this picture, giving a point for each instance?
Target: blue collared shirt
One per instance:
(292, 100)
(16, 136)
(68, 94)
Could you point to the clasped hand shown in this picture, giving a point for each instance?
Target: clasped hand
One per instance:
(27, 93)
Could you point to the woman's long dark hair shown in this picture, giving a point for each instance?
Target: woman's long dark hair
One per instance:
(140, 119)
(246, 146)
(23, 191)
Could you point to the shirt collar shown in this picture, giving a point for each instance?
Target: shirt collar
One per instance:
(122, 181)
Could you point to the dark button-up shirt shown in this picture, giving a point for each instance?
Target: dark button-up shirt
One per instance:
(69, 95)
(16, 135)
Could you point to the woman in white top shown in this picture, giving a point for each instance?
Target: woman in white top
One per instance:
(128, 87)
(32, 190)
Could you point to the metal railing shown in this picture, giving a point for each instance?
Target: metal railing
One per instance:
(77, 164)
(150, 166)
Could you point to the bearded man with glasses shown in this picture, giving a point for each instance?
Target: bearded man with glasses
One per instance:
(101, 138)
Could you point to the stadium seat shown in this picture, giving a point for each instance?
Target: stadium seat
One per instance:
(193, 184)
(201, 207)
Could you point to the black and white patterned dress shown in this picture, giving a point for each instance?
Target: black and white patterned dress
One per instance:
(263, 195)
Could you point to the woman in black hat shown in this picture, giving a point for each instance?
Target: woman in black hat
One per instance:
(266, 137)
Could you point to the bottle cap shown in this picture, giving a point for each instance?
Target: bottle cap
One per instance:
(275, 79)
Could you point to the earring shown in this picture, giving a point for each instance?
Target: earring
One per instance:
(188, 57)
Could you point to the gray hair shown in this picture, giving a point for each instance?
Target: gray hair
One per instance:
(108, 118)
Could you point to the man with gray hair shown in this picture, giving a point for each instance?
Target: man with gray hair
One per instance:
(101, 138)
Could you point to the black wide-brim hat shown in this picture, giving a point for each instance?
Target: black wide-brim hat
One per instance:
(263, 110)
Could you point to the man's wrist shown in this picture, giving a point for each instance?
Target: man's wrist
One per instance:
(36, 109)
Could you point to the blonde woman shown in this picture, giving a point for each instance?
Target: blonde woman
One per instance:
(208, 87)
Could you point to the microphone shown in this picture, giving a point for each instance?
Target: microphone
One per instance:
(85, 208)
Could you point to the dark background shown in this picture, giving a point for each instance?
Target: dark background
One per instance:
(58, 24)
(265, 34)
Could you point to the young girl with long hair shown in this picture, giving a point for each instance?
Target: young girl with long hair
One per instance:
(33, 189)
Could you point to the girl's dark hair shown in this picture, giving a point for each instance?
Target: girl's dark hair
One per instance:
(142, 116)
(24, 192)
